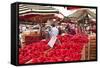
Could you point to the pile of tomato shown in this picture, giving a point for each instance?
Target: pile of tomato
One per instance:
(39, 52)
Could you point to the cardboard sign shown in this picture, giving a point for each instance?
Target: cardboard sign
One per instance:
(52, 41)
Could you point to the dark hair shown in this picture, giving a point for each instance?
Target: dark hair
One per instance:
(53, 25)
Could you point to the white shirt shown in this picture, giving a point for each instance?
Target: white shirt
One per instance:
(54, 31)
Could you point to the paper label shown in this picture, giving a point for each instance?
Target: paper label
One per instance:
(52, 41)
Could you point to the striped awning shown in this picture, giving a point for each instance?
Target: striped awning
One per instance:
(25, 9)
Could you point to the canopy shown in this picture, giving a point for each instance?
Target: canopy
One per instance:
(81, 13)
(25, 9)
(36, 13)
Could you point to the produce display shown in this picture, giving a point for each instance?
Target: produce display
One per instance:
(39, 52)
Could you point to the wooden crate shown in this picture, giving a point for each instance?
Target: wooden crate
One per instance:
(90, 49)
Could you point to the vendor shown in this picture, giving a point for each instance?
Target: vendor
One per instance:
(53, 36)
(71, 29)
(54, 30)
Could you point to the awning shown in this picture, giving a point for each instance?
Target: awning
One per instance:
(25, 9)
(80, 13)
(36, 13)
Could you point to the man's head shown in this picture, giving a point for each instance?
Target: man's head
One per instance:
(53, 25)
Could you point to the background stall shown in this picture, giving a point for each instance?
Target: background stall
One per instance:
(36, 17)
(86, 19)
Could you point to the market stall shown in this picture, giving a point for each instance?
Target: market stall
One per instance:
(30, 16)
(87, 20)
(35, 22)
(84, 17)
